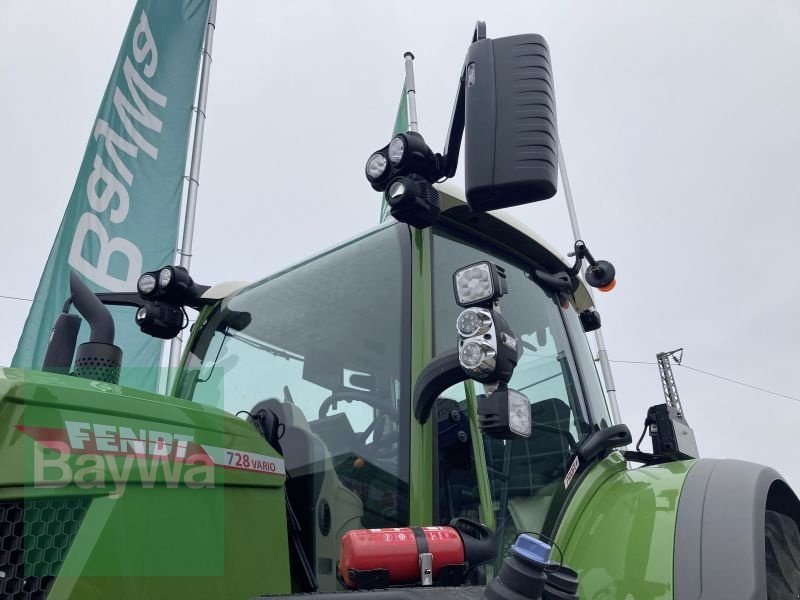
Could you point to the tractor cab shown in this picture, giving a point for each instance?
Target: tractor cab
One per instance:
(329, 420)
(330, 350)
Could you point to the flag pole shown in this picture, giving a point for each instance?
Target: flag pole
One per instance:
(185, 251)
(411, 93)
(602, 354)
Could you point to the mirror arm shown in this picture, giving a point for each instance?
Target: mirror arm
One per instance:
(443, 371)
(599, 442)
(452, 145)
(480, 32)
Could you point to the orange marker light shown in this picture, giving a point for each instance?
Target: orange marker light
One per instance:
(609, 287)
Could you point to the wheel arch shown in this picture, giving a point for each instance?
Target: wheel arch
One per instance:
(719, 549)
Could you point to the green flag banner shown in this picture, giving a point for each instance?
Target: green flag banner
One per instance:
(122, 217)
(400, 126)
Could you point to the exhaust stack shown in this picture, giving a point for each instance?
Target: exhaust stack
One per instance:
(61, 348)
(98, 358)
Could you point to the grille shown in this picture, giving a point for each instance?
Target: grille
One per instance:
(35, 536)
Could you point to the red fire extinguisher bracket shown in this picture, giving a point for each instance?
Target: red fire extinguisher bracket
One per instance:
(375, 558)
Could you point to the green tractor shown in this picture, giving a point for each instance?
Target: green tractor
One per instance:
(332, 426)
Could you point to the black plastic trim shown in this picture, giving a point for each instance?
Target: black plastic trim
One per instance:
(443, 370)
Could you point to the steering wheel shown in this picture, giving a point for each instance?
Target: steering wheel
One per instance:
(382, 445)
(360, 396)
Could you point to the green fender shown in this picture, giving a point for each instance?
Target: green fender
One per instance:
(618, 529)
(686, 530)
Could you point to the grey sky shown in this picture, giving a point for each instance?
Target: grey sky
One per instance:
(679, 123)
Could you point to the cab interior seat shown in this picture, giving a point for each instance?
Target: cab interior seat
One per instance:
(323, 505)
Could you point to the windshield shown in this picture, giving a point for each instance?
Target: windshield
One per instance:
(323, 347)
(555, 372)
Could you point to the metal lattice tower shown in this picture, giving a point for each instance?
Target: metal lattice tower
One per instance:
(668, 380)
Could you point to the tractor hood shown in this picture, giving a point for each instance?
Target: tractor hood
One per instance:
(49, 421)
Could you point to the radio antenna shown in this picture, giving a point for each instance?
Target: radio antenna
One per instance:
(411, 93)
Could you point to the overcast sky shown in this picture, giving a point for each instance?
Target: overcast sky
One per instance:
(679, 123)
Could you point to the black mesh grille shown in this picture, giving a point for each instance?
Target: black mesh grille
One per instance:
(35, 536)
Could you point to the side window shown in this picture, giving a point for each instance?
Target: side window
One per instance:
(544, 376)
(591, 378)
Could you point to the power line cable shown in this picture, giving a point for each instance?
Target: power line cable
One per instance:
(635, 362)
(742, 383)
(16, 298)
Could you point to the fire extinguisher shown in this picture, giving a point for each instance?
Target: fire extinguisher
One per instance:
(379, 558)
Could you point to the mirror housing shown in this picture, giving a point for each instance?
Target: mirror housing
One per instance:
(511, 140)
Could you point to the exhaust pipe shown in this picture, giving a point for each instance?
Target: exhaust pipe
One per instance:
(101, 325)
(98, 358)
(61, 347)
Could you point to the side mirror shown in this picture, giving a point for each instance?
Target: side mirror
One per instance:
(511, 141)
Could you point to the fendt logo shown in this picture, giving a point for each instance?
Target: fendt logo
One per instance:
(108, 438)
(97, 455)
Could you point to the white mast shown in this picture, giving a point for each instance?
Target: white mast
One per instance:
(411, 93)
(602, 355)
(185, 251)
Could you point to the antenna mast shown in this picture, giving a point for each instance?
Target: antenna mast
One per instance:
(671, 397)
(602, 354)
(411, 93)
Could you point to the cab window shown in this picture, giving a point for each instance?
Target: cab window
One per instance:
(323, 347)
(526, 476)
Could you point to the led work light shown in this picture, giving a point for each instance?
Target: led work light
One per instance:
(480, 284)
(163, 295)
(405, 170)
(488, 350)
(505, 413)
(476, 321)
(170, 284)
(413, 200)
(160, 320)
(146, 284)
(165, 277)
(376, 167)
(397, 150)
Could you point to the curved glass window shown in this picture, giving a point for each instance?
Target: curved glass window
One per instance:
(526, 476)
(324, 347)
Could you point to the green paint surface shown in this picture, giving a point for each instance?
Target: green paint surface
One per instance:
(421, 461)
(619, 527)
(150, 531)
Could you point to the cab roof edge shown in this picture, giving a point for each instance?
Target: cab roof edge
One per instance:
(453, 205)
